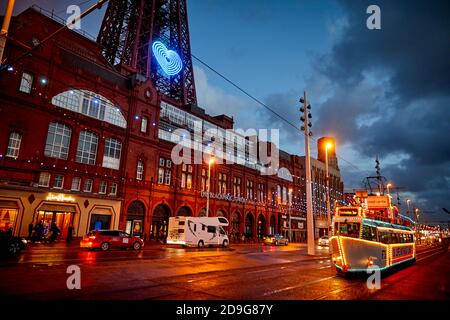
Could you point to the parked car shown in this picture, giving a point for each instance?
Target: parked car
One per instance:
(324, 241)
(10, 245)
(276, 239)
(108, 239)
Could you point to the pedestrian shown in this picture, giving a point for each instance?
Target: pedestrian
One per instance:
(69, 234)
(55, 231)
(30, 230)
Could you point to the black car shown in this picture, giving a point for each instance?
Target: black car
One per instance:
(10, 245)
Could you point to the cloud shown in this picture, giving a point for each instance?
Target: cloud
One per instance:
(387, 92)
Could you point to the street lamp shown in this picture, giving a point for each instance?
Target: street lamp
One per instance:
(290, 214)
(210, 162)
(328, 146)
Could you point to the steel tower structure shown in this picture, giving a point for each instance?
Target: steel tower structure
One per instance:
(131, 26)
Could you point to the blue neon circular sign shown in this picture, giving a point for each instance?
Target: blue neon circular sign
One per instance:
(169, 60)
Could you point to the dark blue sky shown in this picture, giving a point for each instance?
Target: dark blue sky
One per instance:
(384, 92)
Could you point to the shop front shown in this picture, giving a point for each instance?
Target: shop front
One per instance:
(135, 219)
(22, 209)
(9, 214)
(63, 215)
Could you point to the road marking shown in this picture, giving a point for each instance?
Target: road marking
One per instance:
(299, 286)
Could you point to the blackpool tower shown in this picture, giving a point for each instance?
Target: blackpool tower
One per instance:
(151, 38)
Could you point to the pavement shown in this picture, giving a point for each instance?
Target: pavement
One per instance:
(240, 272)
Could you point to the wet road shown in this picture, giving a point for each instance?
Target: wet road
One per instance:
(240, 272)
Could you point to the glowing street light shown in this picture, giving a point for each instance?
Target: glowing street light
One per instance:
(409, 209)
(328, 146)
(210, 162)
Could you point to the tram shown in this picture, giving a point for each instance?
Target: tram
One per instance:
(370, 235)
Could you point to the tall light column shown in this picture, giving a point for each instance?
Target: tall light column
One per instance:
(409, 209)
(328, 146)
(210, 162)
(5, 27)
(309, 209)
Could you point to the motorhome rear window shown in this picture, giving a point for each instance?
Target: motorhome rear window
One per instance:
(222, 220)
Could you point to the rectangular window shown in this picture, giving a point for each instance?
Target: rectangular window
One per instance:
(140, 170)
(76, 183)
(222, 183)
(144, 124)
(160, 175)
(111, 157)
(44, 179)
(261, 192)
(250, 190)
(103, 187)
(186, 176)
(88, 185)
(14, 145)
(58, 182)
(26, 83)
(58, 141)
(204, 178)
(237, 186)
(87, 147)
(113, 189)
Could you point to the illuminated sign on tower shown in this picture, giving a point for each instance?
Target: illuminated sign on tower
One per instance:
(169, 60)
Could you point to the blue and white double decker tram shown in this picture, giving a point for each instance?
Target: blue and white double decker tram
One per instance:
(359, 242)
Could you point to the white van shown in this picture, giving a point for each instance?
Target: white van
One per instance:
(198, 231)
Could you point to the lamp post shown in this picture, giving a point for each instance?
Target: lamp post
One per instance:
(418, 225)
(210, 162)
(328, 146)
(290, 214)
(309, 209)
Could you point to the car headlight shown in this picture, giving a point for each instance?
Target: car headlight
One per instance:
(24, 241)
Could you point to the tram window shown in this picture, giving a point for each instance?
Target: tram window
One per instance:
(369, 233)
(350, 229)
(384, 237)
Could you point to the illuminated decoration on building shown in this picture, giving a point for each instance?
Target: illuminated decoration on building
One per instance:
(130, 28)
(169, 61)
(60, 197)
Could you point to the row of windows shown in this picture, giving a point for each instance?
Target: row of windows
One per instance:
(165, 177)
(58, 183)
(57, 145)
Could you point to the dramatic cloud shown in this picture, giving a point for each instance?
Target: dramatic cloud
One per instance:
(388, 94)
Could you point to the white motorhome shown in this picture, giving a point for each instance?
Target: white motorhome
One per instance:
(198, 231)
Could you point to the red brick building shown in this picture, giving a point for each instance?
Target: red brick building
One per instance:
(86, 144)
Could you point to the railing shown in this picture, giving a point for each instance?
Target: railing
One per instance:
(53, 16)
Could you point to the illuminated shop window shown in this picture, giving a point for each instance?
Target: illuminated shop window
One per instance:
(7, 219)
(111, 157)
(87, 147)
(58, 141)
(14, 145)
(91, 105)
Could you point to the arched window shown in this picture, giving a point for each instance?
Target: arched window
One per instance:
(58, 141)
(14, 141)
(90, 104)
(87, 147)
(111, 157)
